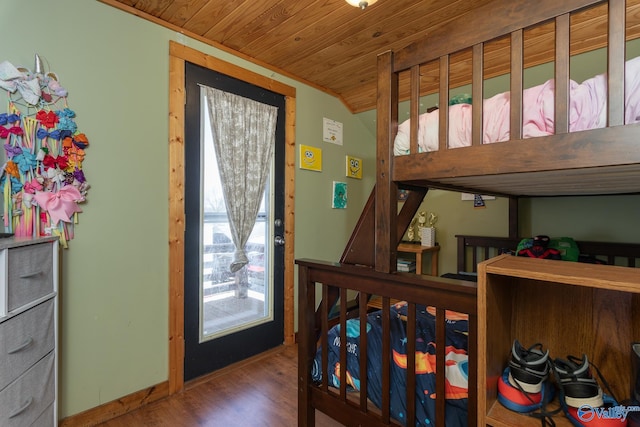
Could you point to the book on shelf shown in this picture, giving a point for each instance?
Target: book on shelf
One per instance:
(406, 265)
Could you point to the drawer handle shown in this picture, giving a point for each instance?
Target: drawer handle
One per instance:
(22, 408)
(30, 275)
(22, 346)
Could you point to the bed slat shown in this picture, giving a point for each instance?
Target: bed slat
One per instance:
(411, 364)
(443, 113)
(414, 108)
(441, 343)
(616, 53)
(343, 344)
(562, 74)
(364, 360)
(386, 359)
(517, 61)
(477, 94)
(323, 332)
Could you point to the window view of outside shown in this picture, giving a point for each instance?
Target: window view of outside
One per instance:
(226, 305)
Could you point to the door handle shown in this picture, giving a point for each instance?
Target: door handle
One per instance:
(278, 240)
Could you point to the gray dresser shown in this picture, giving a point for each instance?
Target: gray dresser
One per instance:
(28, 332)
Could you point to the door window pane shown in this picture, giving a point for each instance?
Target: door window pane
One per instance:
(227, 306)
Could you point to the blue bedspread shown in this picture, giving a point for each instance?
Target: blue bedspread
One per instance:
(456, 363)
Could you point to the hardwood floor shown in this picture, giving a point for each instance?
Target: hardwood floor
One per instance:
(259, 392)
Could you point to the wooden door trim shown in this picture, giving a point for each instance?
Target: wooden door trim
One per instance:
(178, 55)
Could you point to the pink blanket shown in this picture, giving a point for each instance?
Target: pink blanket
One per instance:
(588, 102)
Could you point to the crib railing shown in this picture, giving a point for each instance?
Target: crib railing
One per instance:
(317, 279)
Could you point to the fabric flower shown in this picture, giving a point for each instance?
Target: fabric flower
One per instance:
(8, 118)
(66, 123)
(48, 119)
(32, 186)
(57, 134)
(62, 161)
(68, 178)
(5, 133)
(42, 153)
(49, 162)
(12, 169)
(66, 112)
(80, 140)
(27, 200)
(74, 154)
(16, 185)
(53, 162)
(55, 175)
(61, 205)
(78, 174)
(12, 150)
(25, 161)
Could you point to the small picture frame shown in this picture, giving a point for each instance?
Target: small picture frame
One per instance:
(310, 158)
(354, 167)
(339, 195)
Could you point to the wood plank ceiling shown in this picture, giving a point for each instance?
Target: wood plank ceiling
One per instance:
(326, 43)
(333, 46)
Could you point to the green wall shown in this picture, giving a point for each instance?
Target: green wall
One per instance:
(114, 296)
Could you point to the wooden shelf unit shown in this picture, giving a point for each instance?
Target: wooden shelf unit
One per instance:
(419, 251)
(571, 308)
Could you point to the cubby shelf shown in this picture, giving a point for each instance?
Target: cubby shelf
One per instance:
(570, 308)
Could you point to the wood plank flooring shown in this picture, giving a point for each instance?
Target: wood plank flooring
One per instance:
(259, 392)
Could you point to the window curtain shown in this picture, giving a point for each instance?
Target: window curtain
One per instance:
(243, 133)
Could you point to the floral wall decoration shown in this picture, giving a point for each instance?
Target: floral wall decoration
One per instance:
(42, 178)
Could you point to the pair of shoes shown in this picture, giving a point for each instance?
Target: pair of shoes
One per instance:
(526, 387)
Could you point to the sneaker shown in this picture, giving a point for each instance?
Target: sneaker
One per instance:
(528, 367)
(515, 399)
(578, 386)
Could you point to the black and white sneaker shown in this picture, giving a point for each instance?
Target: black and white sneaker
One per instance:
(577, 384)
(528, 367)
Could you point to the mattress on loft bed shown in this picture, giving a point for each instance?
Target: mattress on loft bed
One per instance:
(588, 107)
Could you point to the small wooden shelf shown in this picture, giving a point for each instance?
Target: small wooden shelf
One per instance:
(571, 308)
(419, 250)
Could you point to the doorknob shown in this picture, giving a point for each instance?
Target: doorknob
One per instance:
(278, 241)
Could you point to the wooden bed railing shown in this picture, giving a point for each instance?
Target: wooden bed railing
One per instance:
(401, 77)
(315, 278)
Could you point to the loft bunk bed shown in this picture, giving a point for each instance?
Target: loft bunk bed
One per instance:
(545, 139)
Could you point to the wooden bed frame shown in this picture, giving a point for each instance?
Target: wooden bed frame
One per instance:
(314, 278)
(599, 161)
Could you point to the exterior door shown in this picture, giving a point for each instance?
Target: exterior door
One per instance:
(228, 316)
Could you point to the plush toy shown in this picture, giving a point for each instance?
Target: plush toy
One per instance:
(540, 249)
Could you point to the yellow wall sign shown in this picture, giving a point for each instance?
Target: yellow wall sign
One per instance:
(354, 167)
(310, 158)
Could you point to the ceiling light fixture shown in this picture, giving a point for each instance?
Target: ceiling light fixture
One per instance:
(361, 3)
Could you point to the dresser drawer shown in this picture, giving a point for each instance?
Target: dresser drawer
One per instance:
(46, 419)
(30, 274)
(25, 399)
(25, 339)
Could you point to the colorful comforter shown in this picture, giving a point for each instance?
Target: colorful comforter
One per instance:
(456, 363)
